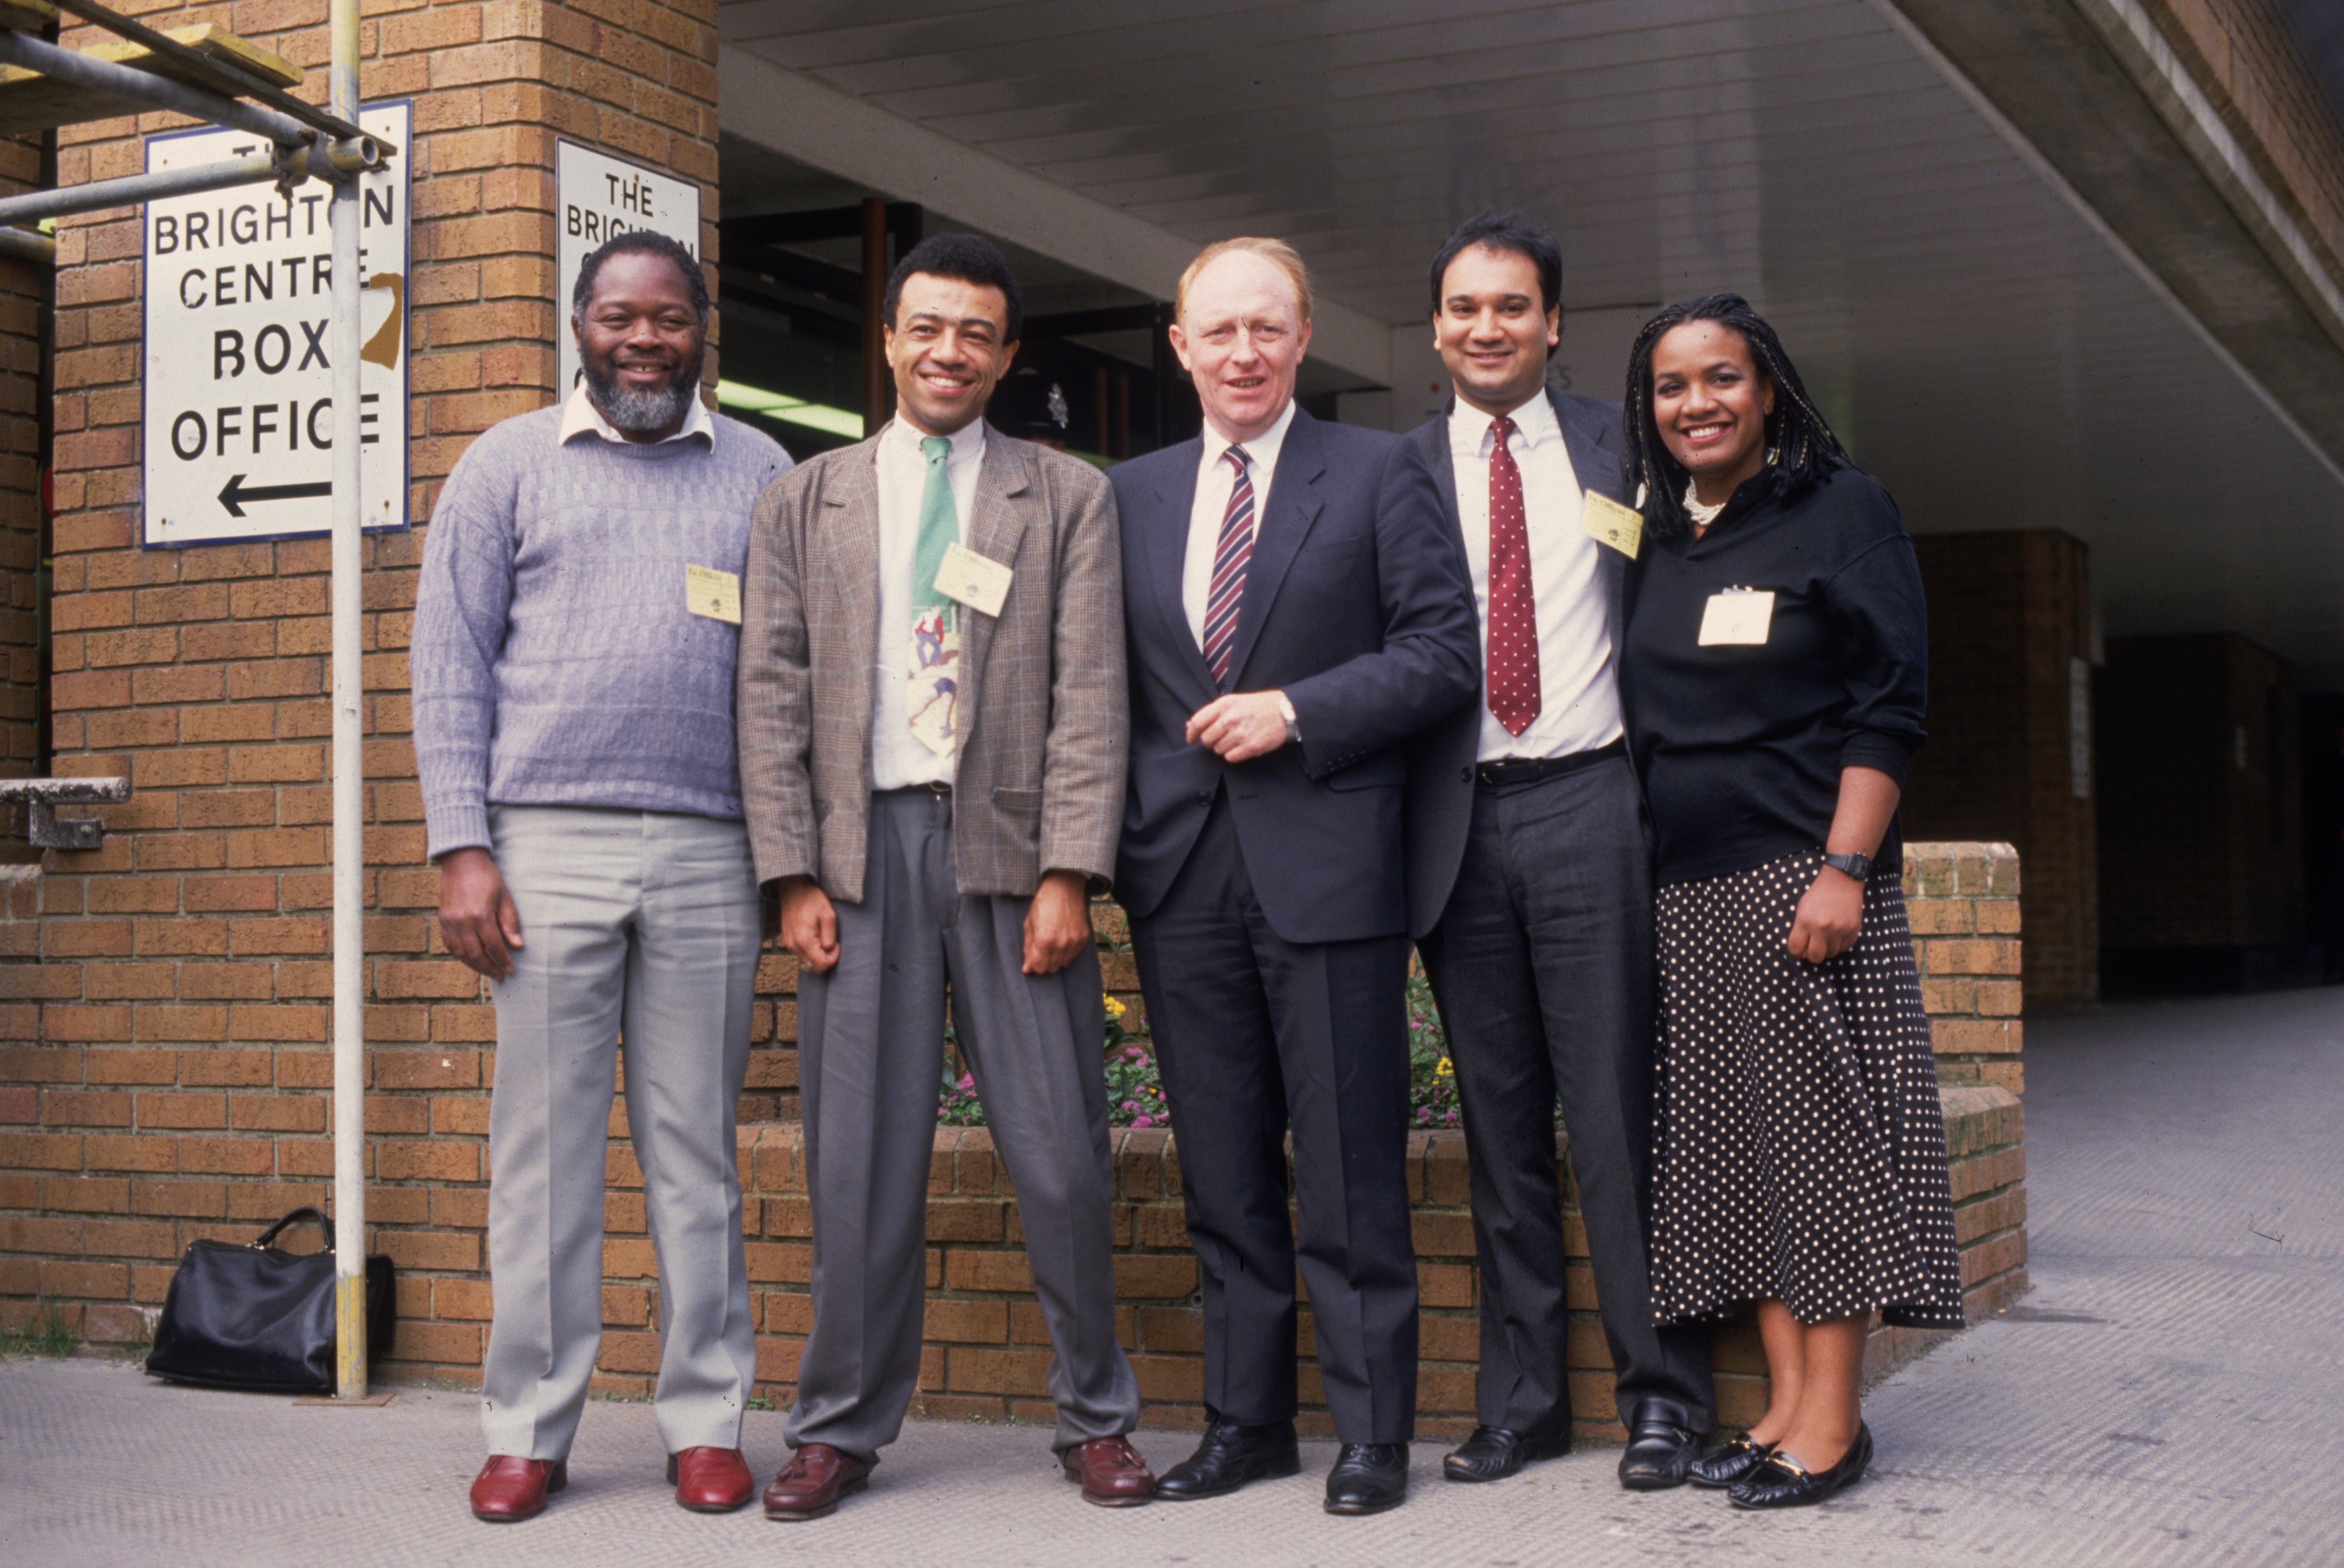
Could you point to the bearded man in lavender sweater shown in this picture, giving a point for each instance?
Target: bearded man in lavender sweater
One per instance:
(576, 631)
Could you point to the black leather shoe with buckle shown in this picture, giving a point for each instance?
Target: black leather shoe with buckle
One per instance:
(1493, 1453)
(1232, 1456)
(1367, 1478)
(1662, 1442)
(1781, 1482)
(1728, 1462)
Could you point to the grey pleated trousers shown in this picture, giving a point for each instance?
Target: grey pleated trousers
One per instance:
(647, 923)
(870, 1057)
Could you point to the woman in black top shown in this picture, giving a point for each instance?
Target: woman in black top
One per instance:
(1773, 673)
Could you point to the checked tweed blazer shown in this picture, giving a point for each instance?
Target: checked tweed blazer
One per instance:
(1043, 710)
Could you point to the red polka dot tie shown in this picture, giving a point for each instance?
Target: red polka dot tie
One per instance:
(1514, 654)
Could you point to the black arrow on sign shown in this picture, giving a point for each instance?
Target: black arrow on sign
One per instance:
(233, 493)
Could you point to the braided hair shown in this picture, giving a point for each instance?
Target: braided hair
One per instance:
(1800, 444)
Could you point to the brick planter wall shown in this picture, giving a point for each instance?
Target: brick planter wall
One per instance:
(117, 1149)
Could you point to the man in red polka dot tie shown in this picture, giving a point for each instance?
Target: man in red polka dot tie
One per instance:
(1530, 882)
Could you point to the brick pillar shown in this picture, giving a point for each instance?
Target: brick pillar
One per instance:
(2009, 615)
(166, 1009)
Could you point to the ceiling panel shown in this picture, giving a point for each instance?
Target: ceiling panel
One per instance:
(1997, 362)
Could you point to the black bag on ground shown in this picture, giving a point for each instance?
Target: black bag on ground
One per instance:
(248, 1316)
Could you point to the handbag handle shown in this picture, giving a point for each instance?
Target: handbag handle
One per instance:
(326, 1229)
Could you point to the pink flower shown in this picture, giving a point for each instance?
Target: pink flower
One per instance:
(967, 1083)
(1143, 1121)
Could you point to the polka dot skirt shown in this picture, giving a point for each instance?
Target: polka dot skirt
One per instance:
(1799, 1151)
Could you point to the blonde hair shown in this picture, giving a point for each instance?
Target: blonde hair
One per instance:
(1277, 252)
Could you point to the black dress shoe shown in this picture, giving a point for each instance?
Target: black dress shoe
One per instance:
(1662, 1443)
(1367, 1478)
(1493, 1453)
(1229, 1457)
(1728, 1462)
(1783, 1482)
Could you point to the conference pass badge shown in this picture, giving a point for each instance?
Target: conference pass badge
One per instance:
(1608, 523)
(1738, 617)
(978, 582)
(712, 593)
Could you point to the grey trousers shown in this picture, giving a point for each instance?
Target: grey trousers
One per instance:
(870, 1057)
(1543, 966)
(646, 924)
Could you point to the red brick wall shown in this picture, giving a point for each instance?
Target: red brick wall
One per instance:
(170, 1042)
(2007, 613)
(2244, 55)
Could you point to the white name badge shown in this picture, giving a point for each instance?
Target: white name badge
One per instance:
(1739, 616)
(712, 593)
(1608, 523)
(978, 582)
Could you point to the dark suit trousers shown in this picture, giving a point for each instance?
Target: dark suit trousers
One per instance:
(1252, 1031)
(1543, 966)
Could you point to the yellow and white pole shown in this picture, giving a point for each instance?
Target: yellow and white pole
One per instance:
(350, 778)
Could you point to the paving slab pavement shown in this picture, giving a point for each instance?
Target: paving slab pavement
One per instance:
(2160, 1399)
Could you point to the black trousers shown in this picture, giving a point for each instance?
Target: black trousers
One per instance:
(1252, 1033)
(1543, 966)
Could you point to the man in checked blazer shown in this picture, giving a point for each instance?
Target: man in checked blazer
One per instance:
(1530, 884)
(933, 730)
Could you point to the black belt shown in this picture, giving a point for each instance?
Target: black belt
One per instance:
(1524, 770)
(931, 788)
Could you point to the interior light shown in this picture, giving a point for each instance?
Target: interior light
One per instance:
(793, 410)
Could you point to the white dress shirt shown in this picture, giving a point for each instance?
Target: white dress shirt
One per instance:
(1215, 480)
(898, 760)
(580, 417)
(1579, 692)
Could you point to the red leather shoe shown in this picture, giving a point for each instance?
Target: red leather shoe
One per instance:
(810, 1485)
(510, 1489)
(1112, 1474)
(711, 1480)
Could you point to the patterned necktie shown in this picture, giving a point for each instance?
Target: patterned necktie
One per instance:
(1229, 558)
(1513, 655)
(931, 652)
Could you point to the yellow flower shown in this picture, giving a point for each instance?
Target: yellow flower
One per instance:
(1444, 1070)
(1115, 1009)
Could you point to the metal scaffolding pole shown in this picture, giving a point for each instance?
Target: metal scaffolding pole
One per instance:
(349, 781)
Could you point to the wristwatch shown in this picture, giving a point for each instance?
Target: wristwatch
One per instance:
(1857, 866)
(1286, 711)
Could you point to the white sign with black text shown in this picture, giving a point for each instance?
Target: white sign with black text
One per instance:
(600, 198)
(239, 387)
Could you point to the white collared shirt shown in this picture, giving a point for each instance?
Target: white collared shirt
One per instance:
(1215, 480)
(898, 760)
(580, 417)
(1579, 691)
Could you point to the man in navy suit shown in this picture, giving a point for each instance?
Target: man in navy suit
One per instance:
(1295, 608)
(1527, 859)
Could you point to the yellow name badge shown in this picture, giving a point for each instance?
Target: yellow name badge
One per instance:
(712, 593)
(1608, 523)
(978, 582)
(1738, 617)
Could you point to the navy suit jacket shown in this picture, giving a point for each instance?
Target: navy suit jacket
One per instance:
(1359, 606)
(1441, 761)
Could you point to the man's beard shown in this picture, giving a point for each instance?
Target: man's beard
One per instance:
(640, 411)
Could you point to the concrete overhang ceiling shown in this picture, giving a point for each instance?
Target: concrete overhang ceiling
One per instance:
(2003, 344)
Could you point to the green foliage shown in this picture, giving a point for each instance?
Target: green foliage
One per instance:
(46, 1333)
(1134, 1089)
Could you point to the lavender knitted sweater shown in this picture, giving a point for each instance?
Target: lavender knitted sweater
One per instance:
(553, 659)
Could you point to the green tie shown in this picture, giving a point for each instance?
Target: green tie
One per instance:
(939, 525)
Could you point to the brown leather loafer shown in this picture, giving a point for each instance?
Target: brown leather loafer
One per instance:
(711, 1480)
(1112, 1474)
(510, 1489)
(810, 1485)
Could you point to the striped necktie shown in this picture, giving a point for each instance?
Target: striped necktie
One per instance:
(1229, 558)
